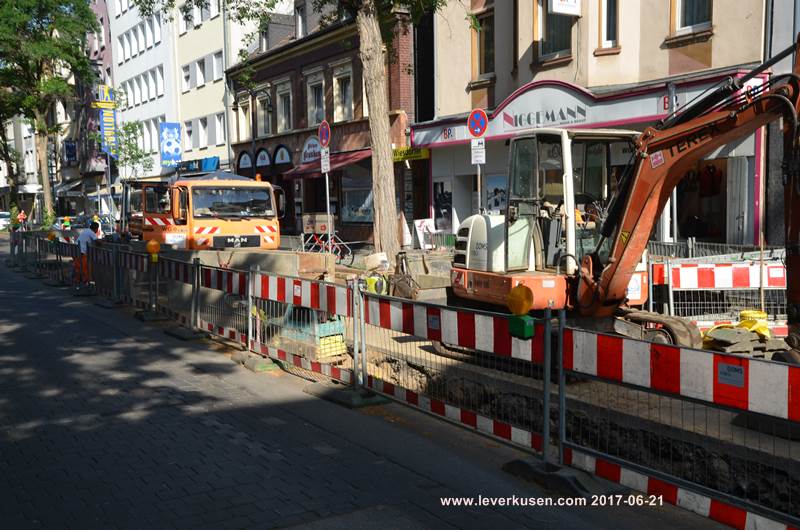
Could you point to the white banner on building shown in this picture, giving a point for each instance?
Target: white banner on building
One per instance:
(565, 7)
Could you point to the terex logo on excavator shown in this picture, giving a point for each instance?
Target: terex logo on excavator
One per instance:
(693, 140)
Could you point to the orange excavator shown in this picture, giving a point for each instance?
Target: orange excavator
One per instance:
(576, 225)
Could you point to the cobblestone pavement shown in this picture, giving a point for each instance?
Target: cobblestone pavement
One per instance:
(108, 423)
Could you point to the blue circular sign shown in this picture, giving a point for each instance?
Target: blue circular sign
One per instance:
(324, 133)
(477, 122)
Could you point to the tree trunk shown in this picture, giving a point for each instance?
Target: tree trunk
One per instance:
(44, 172)
(384, 229)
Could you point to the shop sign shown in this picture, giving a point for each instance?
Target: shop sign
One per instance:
(564, 7)
(245, 162)
(262, 159)
(282, 155)
(311, 150)
(411, 153)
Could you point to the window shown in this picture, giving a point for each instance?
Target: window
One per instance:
(200, 72)
(137, 91)
(140, 138)
(263, 116)
(149, 33)
(217, 66)
(555, 34)
(187, 78)
(157, 199)
(196, 17)
(145, 88)
(202, 129)
(694, 15)
(95, 42)
(102, 34)
(315, 99)
(157, 28)
(140, 32)
(183, 21)
(187, 127)
(285, 108)
(160, 80)
(300, 22)
(146, 140)
(121, 52)
(608, 24)
(486, 44)
(118, 7)
(356, 195)
(220, 128)
(205, 14)
(127, 45)
(343, 97)
(134, 42)
(154, 136)
(244, 121)
(152, 84)
(214, 6)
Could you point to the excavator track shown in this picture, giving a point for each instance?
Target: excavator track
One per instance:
(681, 332)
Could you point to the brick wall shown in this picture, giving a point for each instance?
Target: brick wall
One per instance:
(401, 71)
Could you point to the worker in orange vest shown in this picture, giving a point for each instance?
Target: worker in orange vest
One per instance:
(21, 218)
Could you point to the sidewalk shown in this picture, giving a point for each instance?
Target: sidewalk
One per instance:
(107, 423)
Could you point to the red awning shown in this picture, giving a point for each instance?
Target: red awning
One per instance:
(310, 170)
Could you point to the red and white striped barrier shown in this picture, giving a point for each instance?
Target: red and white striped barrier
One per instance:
(175, 270)
(719, 275)
(739, 382)
(224, 280)
(268, 232)
(344, 375)
(483, 332)
(779, 328)
(467, 418)
(228, 333)
(158, 221)
(335, 299)
(204, 231)
(715, 509)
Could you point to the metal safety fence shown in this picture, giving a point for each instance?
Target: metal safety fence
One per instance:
(691, 248)
(715, 433)
(716, 293)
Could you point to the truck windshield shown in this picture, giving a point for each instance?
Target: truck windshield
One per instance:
(232, 202)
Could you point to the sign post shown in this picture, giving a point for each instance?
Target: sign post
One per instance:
(324, 134)
(477, 122)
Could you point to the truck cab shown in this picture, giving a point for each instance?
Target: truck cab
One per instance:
(559, 186)
(215, 211)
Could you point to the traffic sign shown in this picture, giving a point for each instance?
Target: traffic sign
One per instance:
(477, 122)
(325, 159)
(478, 151)
(324, 133)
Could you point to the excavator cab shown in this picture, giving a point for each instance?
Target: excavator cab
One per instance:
(559, 187)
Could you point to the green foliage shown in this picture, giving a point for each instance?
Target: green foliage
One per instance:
(14, 213)
(49, 219)
(42, 45)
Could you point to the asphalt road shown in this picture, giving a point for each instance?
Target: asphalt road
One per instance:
(109, 423)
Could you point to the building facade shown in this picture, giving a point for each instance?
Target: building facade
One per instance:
(621, 64)
(144, 71)
(317, 76)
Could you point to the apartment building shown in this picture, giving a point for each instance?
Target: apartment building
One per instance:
(613, 63)
(144, 71)
(315, 76)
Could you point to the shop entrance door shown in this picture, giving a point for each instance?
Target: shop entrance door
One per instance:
(443, 204)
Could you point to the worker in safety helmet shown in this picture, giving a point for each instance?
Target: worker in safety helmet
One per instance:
(87, 237)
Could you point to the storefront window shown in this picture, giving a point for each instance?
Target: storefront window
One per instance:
(357, 195)
(157, 199)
